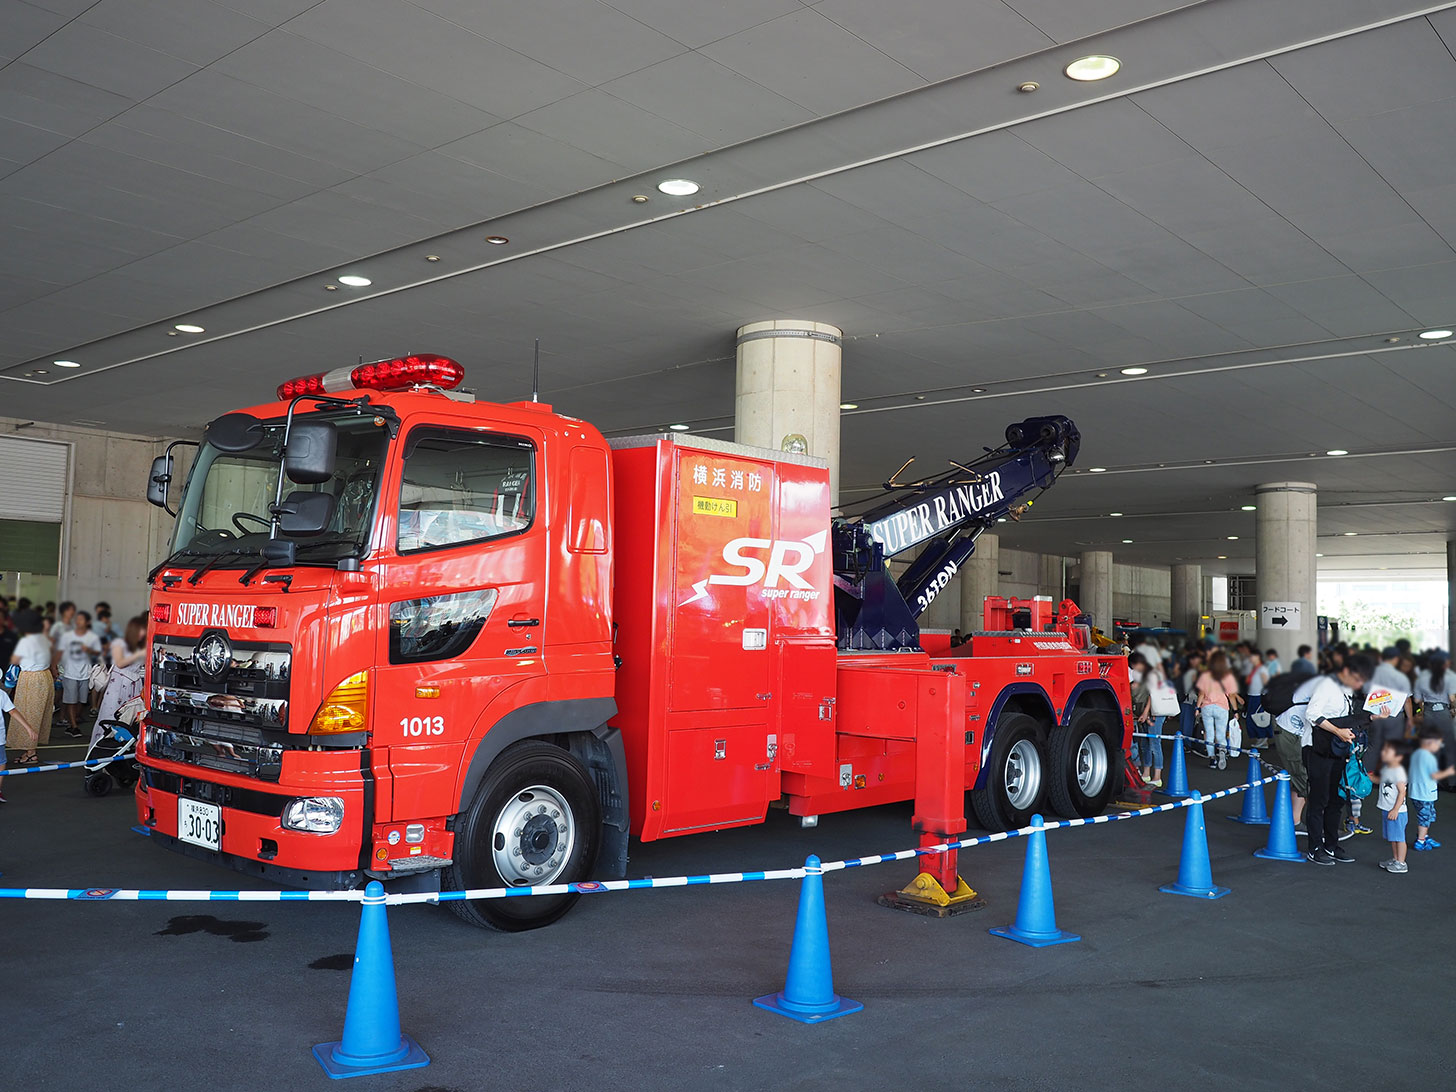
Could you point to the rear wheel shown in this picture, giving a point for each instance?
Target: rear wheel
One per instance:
(1084, 765)
(98, 784)
(1013, 787)
(535, 821)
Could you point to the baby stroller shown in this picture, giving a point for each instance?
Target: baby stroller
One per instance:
(117, 741)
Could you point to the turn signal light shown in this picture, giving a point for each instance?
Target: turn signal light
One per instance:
(346, 709)
(398, 373)
(162, 613)
(265, 617)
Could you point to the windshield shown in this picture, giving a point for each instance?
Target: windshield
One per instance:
(225, 509)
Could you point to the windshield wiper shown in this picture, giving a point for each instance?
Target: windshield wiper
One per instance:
(173, 558)
(214, 561)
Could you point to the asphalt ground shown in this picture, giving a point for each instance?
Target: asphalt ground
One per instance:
(1302, 978)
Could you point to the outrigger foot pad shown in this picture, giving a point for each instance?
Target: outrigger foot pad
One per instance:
(925, 895)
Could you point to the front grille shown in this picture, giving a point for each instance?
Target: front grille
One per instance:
(237, 724)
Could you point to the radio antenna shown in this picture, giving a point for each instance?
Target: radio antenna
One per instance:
(536, 374)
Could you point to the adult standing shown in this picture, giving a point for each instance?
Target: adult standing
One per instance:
(1217, 692)
(1436, 691)
(128, 667)
(1326, 746)
(35, 693)
(1255, 682)
(1387, 674)
(1304, 663)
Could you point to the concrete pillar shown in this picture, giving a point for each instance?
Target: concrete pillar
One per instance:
(788, 385)
(1284, 564)
(1051, 576)
(1187, 597)
(979, 578)
(1097, 588)
(1450, 595)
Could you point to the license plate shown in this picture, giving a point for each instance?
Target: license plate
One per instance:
(199, 823)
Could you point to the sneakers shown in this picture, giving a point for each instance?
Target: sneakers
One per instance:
(1213, 764)
(1423, 844)
(1393, 865)
(1300, 830)
(1222, 759)
(1361, 828)
(1320, 857)
(1341, 856)
(1347, 832)
(1155, 783)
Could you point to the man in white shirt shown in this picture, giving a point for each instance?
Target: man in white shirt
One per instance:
(77, 649)
(1318, 704)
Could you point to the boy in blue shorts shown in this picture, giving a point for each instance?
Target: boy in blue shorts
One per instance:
(1423, 778)
(1391, 802)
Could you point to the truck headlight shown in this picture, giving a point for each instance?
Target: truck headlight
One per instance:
(314, 814)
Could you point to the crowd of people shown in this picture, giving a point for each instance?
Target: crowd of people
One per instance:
(64, 667)
(1215, 696)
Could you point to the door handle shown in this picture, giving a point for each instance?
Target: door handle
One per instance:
(523, 623)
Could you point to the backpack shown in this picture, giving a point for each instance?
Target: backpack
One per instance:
(1279, 694)
(1354, 781)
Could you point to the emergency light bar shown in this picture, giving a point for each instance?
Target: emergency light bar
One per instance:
(419, 369)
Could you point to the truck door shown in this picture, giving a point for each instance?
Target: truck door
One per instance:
(464, 595)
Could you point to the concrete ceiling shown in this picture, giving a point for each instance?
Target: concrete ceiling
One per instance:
(1260, 209)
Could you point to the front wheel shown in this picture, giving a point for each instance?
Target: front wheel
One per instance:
(535, 821)
(1084, 766)
(1012, 789)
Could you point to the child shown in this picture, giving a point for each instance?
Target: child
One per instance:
(1392, 804)
(8, 707)
(1423, 778)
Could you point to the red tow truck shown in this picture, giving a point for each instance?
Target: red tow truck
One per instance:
(447, 643)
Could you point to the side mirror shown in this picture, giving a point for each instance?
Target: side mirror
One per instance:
(309, 457)
(234, 432)
(304, 514)
(159, 479)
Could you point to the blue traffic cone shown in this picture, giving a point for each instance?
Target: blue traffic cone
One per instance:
(1281, 845)
(372, 1041)
(808, 994)
(1177, 772)
(1253, 811)
(1036, 915)
(1195, 875)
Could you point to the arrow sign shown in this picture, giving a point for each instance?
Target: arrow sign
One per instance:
(1283, 616)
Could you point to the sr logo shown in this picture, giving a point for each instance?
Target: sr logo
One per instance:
(781, 574)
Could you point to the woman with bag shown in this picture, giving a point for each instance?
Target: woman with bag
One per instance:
(1217, 694)
(35, 688)
(1151, 695)
(128, 666)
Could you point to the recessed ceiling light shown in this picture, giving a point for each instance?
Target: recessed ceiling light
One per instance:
(1114, 513)
(1351, 534)
(496, 240)
(65, 364)
(432, 257)
(355, 282)
(1101, 375)
(640, 199)
(1233, 538)
(1134, 371)
(678, 187)
(679, 428)
(1097, 470)
(331, 288)
(849, 405)
(40, 371)
(1027, 87)
(1248, 508)
(978, 390)
(1095, 67)
(1337, 451)
(1127, 541)
(1223, 557)
(1443, 498)
(1436, 335)
(188, 328)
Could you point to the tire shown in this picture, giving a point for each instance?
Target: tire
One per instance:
(1084, 766)
(98, 784)
(1015, 782)
(535, 820)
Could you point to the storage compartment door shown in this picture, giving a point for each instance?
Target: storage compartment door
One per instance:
(719, 777)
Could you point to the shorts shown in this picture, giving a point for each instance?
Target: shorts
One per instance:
(1289, 756)
(1425, 812)
(76, 691)
(1393, 829)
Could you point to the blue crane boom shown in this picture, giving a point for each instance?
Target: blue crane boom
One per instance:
(943, 515)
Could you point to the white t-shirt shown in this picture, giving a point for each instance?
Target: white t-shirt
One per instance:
(1257, 678)
(58, 628)
(78, 652)
(1391, 778)
(34, 652)
(1322, 698)
(5, 706)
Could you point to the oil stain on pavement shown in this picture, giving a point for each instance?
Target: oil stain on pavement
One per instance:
(239, 932)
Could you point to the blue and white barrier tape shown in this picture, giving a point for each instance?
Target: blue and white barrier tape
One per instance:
(593, 887)
(90, 762)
